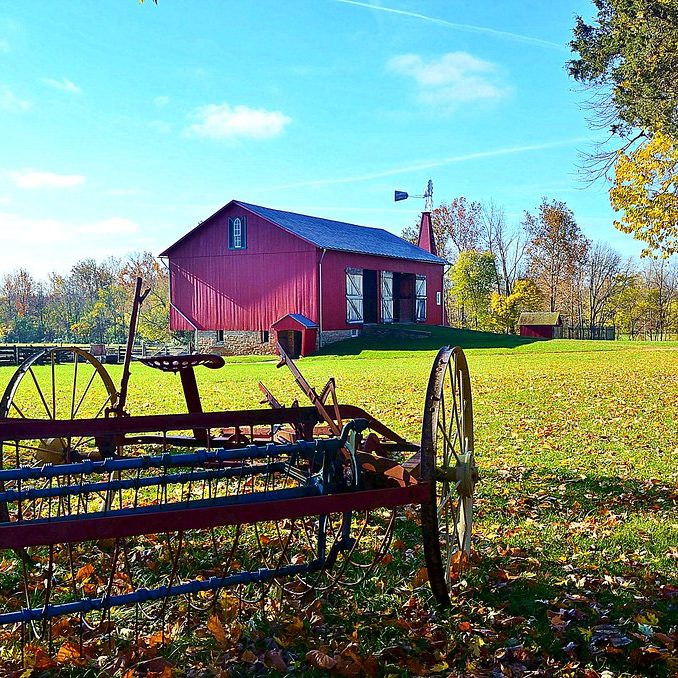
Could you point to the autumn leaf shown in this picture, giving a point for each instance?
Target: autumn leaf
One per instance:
(249, 657)
(36, 658)
(216, 628)
(85, 572)
(69, 653)
(320, 660)
(420, 578)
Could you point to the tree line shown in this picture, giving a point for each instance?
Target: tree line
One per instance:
(544, 263)
(90, 303)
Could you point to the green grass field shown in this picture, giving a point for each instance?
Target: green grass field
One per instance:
(576, 532)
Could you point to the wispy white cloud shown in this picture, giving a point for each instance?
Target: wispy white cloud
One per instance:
(11, 102)
(46, 244)
(454, 78)
(65, 85)
(225, 122)
(4, 46)
(28, 178)
(507, 35)
(18, 229)
(22, 229)
(415, 167)
(5, 200)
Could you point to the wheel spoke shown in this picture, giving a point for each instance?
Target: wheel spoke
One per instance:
(84, 394)
(75, 383)
(42, 397)
(450, 444)
(14, 406)
(51, 362)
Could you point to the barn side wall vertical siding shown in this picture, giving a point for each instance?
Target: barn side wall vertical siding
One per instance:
(222, 289)
(334, 284)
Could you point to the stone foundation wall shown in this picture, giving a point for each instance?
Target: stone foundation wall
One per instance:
(332, 336)
(235, 343)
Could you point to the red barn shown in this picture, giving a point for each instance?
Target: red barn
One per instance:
(249, 275)
(541, 325)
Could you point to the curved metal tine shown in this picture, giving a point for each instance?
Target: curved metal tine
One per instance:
(367, 568)
(175, 564)
(46, 625)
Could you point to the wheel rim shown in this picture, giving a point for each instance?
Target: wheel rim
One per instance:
(448, 464)
(57, 383)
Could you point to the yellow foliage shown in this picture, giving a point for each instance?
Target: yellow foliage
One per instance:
(645, 189)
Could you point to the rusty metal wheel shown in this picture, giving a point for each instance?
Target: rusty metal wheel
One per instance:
(57, 383)
(447, 463)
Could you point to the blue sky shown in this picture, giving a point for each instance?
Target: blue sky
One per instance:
(122, 125)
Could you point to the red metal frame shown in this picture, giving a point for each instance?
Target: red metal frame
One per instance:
(18, 535)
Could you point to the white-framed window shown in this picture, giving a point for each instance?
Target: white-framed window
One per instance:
(420, 294)
(220, 336)
(439, 298)
(237, 233)
(354, 295)
(355, 333)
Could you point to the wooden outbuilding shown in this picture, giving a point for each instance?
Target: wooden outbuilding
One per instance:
(543, 325)
(249, 273)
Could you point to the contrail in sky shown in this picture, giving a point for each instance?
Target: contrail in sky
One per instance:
(432, 163)
(461, 27)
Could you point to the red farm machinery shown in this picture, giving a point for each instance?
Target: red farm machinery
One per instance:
(146, 518)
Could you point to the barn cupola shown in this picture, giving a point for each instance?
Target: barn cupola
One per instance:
(426, 239)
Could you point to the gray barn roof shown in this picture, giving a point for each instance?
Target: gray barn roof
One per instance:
(342, 236)
(331, 235)
(539, 318)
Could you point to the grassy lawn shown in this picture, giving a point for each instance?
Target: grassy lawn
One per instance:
(576, 533)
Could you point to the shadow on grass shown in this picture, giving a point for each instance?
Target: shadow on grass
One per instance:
(439, 336)
(586, 495)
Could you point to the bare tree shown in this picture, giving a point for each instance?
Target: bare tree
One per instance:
(605, 279)
(661, 280)
(507, 244)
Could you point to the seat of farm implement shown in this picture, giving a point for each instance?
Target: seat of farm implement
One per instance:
(183, 365)
(177, 363)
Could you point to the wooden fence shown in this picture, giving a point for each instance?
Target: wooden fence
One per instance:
(15, 354)
(603, 332)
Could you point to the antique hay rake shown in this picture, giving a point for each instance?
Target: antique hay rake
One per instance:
(117, 524)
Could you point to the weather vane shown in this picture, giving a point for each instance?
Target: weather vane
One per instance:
(428, 196)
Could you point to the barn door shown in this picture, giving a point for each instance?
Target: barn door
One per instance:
(420, 294)
(387, 296)
(354, 295)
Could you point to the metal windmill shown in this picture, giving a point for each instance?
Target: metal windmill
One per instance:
(427, 195)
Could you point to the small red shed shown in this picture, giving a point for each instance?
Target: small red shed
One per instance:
(541, 325)
(296, 333)
(248, 272)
